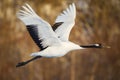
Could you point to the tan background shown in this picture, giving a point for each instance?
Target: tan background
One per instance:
(97, 21)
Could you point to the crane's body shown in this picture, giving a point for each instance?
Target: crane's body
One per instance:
(57, 50)
(52, 42)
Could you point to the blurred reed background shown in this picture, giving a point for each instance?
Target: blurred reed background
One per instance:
(97, 21)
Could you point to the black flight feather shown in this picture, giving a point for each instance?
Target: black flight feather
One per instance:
(33, 31)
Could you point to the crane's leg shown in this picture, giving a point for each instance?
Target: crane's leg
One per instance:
(26, 62)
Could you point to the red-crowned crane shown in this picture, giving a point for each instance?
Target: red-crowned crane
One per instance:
(52, 42)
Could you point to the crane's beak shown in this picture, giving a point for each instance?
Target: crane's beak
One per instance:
(106, 46)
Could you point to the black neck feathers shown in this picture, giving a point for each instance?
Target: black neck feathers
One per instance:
(91, 46)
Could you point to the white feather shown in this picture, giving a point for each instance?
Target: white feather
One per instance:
(45, 32)
(68, 19)
(56, 47)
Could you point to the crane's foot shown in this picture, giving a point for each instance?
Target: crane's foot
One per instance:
(26, 62)
(21, 64)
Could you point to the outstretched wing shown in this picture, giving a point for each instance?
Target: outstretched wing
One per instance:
(40, 30)
(64, 22)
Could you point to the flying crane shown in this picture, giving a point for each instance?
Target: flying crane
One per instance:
(52, 42)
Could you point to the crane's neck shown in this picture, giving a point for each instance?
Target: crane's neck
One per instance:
(92, 46)
(76, 47)
(72, 46)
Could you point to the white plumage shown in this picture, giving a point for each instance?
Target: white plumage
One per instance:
(53, 42)
(56, 42)
(45, 32)
(68, 19)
